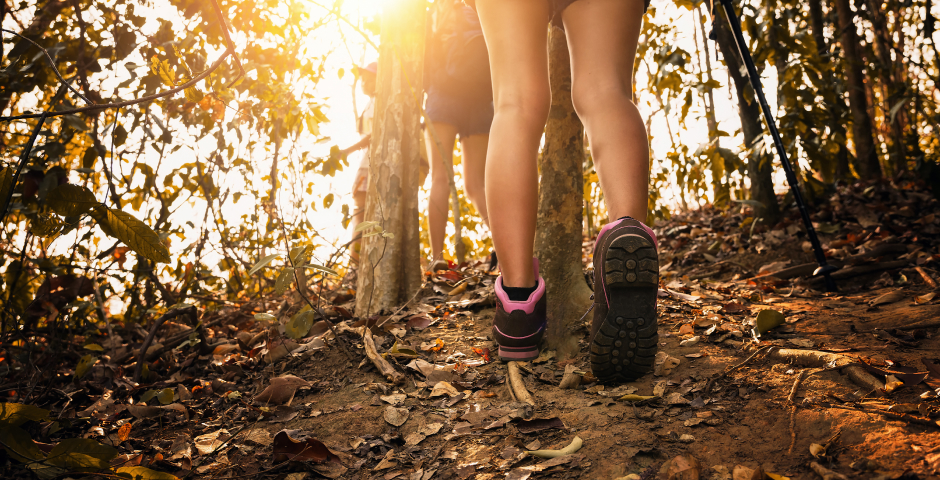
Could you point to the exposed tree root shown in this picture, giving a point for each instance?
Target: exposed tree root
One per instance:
(518, 386)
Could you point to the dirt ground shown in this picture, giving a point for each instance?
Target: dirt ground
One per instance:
(836, 385)
(744, 420)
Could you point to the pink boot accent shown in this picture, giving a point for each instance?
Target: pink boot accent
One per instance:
(527, 306)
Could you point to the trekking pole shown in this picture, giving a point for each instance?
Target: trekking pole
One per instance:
(824, 269)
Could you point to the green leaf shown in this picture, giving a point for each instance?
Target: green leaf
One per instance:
(84, 365)
(322, 269)
(165, 396)
(19, 445)
(284, 280)
(134, 233)
(6, 184)
(262, 263)
(71, 200)
(299, 326)
(16, 414)
(297, 255)
(364, 225)
(89, 157)
(83, 454)
(265, 317)
(143, 473)
(94, 347)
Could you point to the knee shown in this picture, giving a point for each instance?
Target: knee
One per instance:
(592, 98)
(529, 106)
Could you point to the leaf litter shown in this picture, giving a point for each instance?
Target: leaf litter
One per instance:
(255, 388)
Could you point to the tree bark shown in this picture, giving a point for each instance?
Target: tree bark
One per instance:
(560, 218)
(390, 266)
(759, 168)
(866, 159)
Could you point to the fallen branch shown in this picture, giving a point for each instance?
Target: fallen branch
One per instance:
(825, 473)
(380, 363)
(517, 386)
(861, 270)
(817, 359)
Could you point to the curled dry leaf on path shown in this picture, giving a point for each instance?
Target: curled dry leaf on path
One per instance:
(539, 424)
(887, 298)
(664, 364)
(396, 416)
(299, 446)
(208, 443)
(281, 390)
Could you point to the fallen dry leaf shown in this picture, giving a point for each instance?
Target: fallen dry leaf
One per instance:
(297, 446)
(206, 444)
(887, 298)
(396, 416)
(281, 390)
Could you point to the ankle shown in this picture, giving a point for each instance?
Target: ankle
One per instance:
(519, 294)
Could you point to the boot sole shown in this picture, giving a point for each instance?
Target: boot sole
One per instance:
(625, 346)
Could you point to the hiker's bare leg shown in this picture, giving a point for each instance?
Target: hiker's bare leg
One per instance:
(516, 34)
(602, 38)
(441, 160)
(474, 169)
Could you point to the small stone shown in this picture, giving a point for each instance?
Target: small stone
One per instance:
(686, 438)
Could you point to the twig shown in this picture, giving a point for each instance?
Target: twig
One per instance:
(793, 408)
(708, 386)
(148, 98)
(228, 41)
(104, 315)
(141, 357)
(24, 158)
(51, 64)
(518, 386)
(380, 363)
(926, 276)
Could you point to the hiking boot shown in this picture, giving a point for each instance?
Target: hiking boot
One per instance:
(519, 325)
(624, 335)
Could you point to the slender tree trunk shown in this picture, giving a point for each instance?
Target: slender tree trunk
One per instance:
(559, 226)
(390, 265)
(891, 78)
(841, 171)
(759, 169)
(722, 192)
(866, 158)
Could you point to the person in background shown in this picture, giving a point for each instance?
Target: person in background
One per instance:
(367, 75)
(360, 186)
(459, 103)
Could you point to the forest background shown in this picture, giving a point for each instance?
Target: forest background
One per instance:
(132, 210)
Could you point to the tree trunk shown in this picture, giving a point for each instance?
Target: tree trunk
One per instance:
(841, 171)
(390, 266)
(558, 229)
(866, 159)
(721, 195)
(759, 169)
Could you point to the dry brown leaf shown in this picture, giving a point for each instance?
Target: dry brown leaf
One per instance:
(281, 390)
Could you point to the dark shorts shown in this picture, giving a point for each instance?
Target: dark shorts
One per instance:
(559, 6)
(472, 115)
